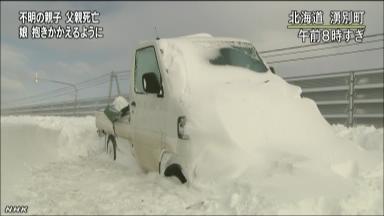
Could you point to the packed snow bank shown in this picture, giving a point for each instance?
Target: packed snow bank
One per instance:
(30, 142)
(69, 137)
(368, 138)
(87, 177)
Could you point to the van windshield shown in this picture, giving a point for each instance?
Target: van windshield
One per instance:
(239, 56)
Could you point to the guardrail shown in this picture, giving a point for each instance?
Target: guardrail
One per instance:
(84, 107)
(350, 98)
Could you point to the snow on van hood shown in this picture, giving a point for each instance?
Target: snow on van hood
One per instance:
(256, 128)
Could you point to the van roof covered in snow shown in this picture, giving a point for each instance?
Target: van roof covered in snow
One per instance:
(201, 37)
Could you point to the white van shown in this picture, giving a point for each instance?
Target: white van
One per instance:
(169, 112)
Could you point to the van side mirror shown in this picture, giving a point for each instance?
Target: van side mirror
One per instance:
(150, 83)
(272, 70)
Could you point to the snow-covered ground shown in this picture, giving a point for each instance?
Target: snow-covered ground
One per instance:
(58, 165)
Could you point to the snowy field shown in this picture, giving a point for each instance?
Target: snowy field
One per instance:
(58, 165)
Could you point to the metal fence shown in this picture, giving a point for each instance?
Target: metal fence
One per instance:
(350, 98)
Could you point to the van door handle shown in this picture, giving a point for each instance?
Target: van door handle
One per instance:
(133, 103)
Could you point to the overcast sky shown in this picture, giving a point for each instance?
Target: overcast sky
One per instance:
(127, 23)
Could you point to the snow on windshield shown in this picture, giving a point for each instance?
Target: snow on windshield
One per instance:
(234, 53)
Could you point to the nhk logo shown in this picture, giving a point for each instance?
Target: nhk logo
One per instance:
(19, 209)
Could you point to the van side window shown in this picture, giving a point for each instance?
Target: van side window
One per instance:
(145, 62)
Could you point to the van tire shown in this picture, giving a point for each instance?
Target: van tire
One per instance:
(175, 170)
(113, 140)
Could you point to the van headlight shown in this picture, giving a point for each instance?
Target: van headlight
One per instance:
(181, 128)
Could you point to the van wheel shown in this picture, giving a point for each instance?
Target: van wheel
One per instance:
(175, 170)
(111, 146)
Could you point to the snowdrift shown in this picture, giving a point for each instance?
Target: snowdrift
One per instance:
(33, 142)
(57, 165)
(252, 126)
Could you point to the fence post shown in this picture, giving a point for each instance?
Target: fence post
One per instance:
(350, 98)
(117, 85)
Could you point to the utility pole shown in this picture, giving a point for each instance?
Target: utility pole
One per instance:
(113, 76)
(63, 83)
